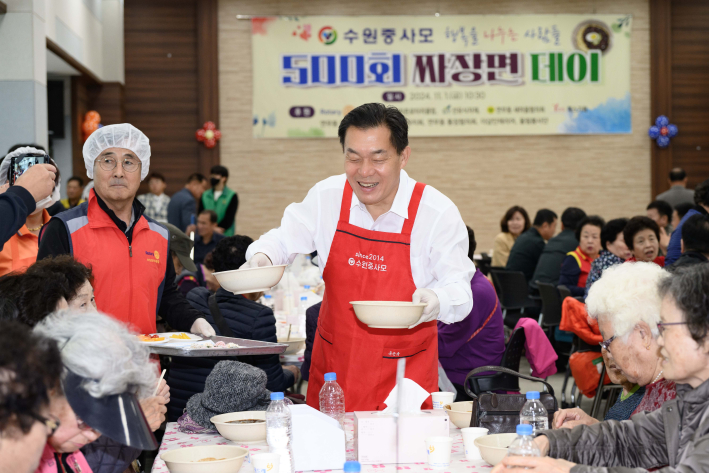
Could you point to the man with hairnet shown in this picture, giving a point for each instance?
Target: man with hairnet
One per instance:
(129, 253)
(20, 250)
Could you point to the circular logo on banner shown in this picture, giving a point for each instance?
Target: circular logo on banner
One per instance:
(327, 35)
(351, 261)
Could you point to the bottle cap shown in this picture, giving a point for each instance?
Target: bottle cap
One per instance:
(307, 287)
(330, 377)
(268, 296)
(352, 467)
(524, 429)
(304, 298)
(277, 396)
(532, 394)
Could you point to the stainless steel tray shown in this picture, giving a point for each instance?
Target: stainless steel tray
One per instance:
(248, 347)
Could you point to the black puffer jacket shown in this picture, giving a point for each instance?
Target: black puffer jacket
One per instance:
(247, 319)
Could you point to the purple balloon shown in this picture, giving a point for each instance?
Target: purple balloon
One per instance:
(663, 141)
(671, 130)
(654, 132)
(661, 121)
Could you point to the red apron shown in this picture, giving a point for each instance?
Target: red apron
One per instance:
(369, 265)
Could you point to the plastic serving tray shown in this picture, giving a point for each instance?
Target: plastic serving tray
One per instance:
(247, 347)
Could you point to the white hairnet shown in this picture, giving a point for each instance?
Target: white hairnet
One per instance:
(5, 167)
(123, 135)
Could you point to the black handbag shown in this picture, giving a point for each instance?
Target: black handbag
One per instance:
(499, 413)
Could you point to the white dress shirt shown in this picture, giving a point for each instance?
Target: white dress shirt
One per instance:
(439, 239)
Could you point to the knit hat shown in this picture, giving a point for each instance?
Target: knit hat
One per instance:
(232, 386)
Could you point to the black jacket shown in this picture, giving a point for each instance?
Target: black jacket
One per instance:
(312, 314)
(688, 258)
(525, 253)
(548, 267)
(16, 203)
(247, 319)
(173, 307)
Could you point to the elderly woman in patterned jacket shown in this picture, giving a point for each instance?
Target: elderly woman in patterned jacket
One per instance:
(674, 438)
(626, 303)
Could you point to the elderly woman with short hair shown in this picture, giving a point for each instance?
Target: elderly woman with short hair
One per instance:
(676, 436)
(626, 303)
(106, 370)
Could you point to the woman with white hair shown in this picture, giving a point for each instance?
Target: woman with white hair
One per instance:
(626, 303)
(672, 439)
(106, 371)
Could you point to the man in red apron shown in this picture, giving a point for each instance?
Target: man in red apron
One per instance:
(379, 235)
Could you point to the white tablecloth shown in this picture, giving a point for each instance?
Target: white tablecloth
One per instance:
(175, 439)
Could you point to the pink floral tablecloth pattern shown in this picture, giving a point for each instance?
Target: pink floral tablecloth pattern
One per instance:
(174, 439)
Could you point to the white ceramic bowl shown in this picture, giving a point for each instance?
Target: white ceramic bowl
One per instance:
(241, 432)
(493, 448)
(245, 281)
(460, 413)
(186, 460)
(388, 314)
(295, 344)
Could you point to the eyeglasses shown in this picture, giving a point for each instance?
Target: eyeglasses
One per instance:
(52, 423)
(661, 325)
(109, 163)
(606, 344)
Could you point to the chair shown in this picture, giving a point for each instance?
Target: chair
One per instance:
(484, 263)
(551, 306)
(564, 292)
(598, 398)
(513, 290)
(510, 359)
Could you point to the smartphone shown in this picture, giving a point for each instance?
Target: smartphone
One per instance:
(22, 163)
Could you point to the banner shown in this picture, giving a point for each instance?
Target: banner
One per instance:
(449, 75)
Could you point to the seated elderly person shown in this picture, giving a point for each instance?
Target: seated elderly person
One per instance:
(106, 371)
(695, 242)
(29, 367)
(626, 303)
(642, 235)
(577, 264)
(48, 285)
(674, 436)
(242, 317)
(614, 251)
(477, 340)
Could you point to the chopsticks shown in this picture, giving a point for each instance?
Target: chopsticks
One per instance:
(159, 381)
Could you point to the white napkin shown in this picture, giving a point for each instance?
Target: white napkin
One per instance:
(414, 396)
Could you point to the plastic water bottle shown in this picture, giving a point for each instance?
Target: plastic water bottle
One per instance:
(534, 413)
(332, 399)
(302, 307)
(278, 432)
(268, 302)
(352, 467)
(524, 445)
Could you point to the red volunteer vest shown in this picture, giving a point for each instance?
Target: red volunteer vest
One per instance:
(128, 279)
(369, 265)
(584, 262)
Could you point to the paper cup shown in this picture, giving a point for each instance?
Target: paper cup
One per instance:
(265, 462)
(439, 452)
(469, 435)
(440, 399)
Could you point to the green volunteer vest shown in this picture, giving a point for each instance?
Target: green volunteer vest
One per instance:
(219, 206)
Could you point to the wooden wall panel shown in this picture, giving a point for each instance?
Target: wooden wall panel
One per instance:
(608, 175)
(162, 93)
(690, 87)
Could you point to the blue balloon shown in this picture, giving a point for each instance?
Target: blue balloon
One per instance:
(671, 130)
(662, 121)
(654, 132)
(663, 141)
